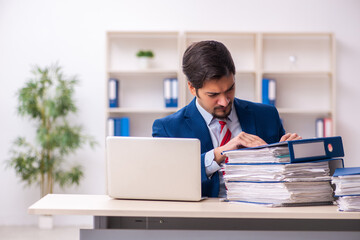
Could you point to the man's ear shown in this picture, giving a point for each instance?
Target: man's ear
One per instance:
(191, 88)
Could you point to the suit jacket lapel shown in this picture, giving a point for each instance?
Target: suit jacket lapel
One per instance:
(246, 117)
(198, 126)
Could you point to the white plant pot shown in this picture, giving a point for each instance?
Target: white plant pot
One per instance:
(144, 62)
(46, 222)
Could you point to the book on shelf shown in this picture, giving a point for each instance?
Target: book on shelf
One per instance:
(347, 188)
(171, 92)
(319, 127)
(328, 127)
(283, 174)
(174, 92)
(303, 150)
(113, 92)
(269, 91)
(119, 126)
(323, 127)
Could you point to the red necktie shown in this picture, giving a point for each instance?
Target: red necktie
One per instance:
(225, 134)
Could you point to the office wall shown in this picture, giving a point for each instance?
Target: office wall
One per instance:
(73, 33)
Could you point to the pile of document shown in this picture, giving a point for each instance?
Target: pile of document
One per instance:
(347, 188)
(273, 154)
(283, 174)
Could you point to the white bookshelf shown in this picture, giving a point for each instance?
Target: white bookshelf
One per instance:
(303, 65)
(141, 90)
(305, 87)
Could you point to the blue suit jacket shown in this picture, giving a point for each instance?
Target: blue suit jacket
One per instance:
(255, 118)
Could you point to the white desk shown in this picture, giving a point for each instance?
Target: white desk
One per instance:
(114, 216)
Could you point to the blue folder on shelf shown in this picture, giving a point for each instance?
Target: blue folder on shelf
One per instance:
(171, 92)
(113, 92)
(269, 91)
(119, 126)
(303, 150)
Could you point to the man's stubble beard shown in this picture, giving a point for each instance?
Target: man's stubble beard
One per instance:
(225, 115)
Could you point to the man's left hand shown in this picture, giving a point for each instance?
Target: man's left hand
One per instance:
(290, 136)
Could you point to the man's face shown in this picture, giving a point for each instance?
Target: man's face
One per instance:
(216, 96)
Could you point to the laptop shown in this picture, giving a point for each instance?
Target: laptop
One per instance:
(153, 168)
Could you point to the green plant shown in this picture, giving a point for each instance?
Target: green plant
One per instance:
(145, 53)
(48, 100)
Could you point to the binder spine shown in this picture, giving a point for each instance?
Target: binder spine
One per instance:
(124, 126)
(113, 93)
(327, 127)
(269, 91)
(272, 92)
(167, 92)
(174, 92)
(315, 149)
(265, 91)
(111, 127)
(319, 128)
(118, 126)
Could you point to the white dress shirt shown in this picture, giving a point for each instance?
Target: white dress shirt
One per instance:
(213, 125)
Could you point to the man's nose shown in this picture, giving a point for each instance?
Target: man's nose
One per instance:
(223, 100)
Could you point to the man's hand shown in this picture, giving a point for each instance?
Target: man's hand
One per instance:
(242, 140)
(289, 137)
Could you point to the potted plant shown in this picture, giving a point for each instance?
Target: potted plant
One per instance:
(144, 57)
(47, 99)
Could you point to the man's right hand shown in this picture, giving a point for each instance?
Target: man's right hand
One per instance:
(242, 140)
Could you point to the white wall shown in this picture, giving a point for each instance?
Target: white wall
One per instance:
(73, 33)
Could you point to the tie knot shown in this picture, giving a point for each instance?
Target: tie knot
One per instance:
(222, 123)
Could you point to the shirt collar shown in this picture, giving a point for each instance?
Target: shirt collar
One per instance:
(208, 117)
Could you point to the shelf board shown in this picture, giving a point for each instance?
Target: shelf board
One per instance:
(245, 72)
(296, 34)
(142, 110)
(135, 72)
(303, 111)
(297, 72)
(142, 34)
(222, 35)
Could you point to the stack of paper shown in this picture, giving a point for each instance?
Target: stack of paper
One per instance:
(276, 154)
(279, 184)
(284, 174)
(304, 172)
(280, 193)
(347, 188)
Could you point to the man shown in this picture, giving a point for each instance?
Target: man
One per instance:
(221, 121)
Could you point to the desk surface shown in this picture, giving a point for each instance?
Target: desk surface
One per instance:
(102, 205)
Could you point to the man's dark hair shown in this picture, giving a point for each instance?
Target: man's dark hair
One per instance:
(207, 60)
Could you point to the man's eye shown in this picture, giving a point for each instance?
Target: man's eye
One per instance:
(212, 95)
(231, 89)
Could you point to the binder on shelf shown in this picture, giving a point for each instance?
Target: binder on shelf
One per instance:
(171, 92)
(119, 126)
(113, 92)
(174, 92)
(328, 127)
(167, 92)
(319, 128)
(269, 91)
(124, 126)
(110, 127)
(303, 150)
(323, 127)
